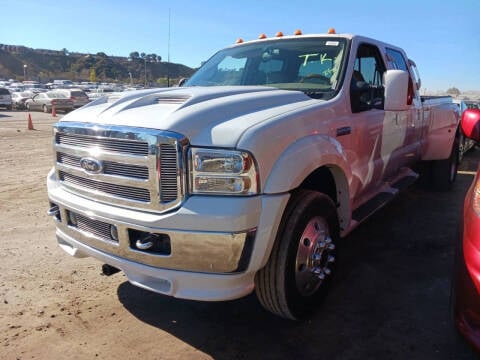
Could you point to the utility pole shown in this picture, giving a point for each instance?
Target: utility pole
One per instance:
(168, 55)
(145, 60)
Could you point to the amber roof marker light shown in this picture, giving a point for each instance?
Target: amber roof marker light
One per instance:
(331, 31)
(239, 41)
(297, 32)
(279, 34)
(262, 36)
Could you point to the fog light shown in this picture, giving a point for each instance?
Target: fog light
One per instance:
(114, 232)
(72, 218)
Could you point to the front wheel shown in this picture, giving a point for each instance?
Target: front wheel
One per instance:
(299, 271)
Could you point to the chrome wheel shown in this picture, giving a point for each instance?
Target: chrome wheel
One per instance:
(300, 269)
(314, 255)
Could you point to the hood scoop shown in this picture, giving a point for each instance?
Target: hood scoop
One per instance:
(172, 99)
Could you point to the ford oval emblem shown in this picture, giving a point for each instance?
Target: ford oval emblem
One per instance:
(91, 165)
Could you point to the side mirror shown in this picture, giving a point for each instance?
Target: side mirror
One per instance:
(470, 124)
(182, 81)
(396, 90)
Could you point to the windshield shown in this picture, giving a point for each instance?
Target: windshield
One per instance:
(310, 65)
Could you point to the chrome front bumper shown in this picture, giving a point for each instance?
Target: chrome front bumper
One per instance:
(209, 252)
(228, 240)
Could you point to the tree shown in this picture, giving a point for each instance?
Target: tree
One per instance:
(453, 91)
(93, 75)
(134, 55)
(154, 58)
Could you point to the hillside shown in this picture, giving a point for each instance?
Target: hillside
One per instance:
(45, 65)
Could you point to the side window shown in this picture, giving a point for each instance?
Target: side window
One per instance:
(366, 86)
(396, 60)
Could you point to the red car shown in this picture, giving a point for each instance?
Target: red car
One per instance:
(466, 277)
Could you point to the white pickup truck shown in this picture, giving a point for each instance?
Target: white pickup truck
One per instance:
(248, 175)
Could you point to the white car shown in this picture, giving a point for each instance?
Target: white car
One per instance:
(19, 98)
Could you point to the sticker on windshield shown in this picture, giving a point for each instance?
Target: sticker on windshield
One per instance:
(331, 43)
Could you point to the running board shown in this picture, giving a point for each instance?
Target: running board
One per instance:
(383, 198)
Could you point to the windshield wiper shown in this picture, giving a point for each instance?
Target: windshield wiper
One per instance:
(317, 94)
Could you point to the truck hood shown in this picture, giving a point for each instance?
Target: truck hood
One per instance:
(216, 116)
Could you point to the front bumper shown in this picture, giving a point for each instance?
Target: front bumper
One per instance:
(215, 244)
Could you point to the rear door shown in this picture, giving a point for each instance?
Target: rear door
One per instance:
(413, 117)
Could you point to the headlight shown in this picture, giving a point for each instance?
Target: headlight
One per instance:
(222, 172)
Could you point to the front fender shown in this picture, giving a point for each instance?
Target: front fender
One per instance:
(302, 158)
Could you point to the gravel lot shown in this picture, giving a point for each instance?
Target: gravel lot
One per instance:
(390, 299)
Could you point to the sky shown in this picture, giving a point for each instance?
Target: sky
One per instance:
(442, 37)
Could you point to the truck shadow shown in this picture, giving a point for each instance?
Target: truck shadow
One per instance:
(390, 298)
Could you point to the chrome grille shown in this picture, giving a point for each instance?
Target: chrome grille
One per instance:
(168, 158)
(110, 167)
(96, 228)
(117, 145)
(126, 192)
(137, 168)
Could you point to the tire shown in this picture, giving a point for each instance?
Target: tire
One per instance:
(299, 271)
(45, 109)
(462, 147)
(444, 172)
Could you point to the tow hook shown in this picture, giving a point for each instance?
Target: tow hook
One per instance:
(145, 242)
(53, 211)
(109, 270)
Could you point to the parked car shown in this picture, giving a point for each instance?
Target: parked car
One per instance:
(5, 99)
(19, 98)
(45, 102)
(466, 275)
(98, 93)
(465, 143)
(78, 96)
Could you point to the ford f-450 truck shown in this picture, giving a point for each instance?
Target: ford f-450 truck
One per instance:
(246, 177)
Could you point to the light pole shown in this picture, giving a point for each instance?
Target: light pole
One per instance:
(145, 60)
(24, 72)
(131, 80)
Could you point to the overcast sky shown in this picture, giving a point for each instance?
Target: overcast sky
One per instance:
(442, 37)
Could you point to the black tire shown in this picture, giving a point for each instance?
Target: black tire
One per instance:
(444, 172)
(300, 268)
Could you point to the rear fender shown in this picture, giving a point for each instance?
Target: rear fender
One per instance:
(438, 142)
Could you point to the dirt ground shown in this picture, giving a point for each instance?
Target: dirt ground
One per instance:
(390, 299)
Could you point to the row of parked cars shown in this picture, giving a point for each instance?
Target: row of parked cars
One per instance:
(64, 95)
(62, 99)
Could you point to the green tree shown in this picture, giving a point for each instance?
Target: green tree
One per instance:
(93, 75)
(134, 55)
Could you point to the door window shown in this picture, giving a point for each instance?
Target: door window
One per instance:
(366, 86)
